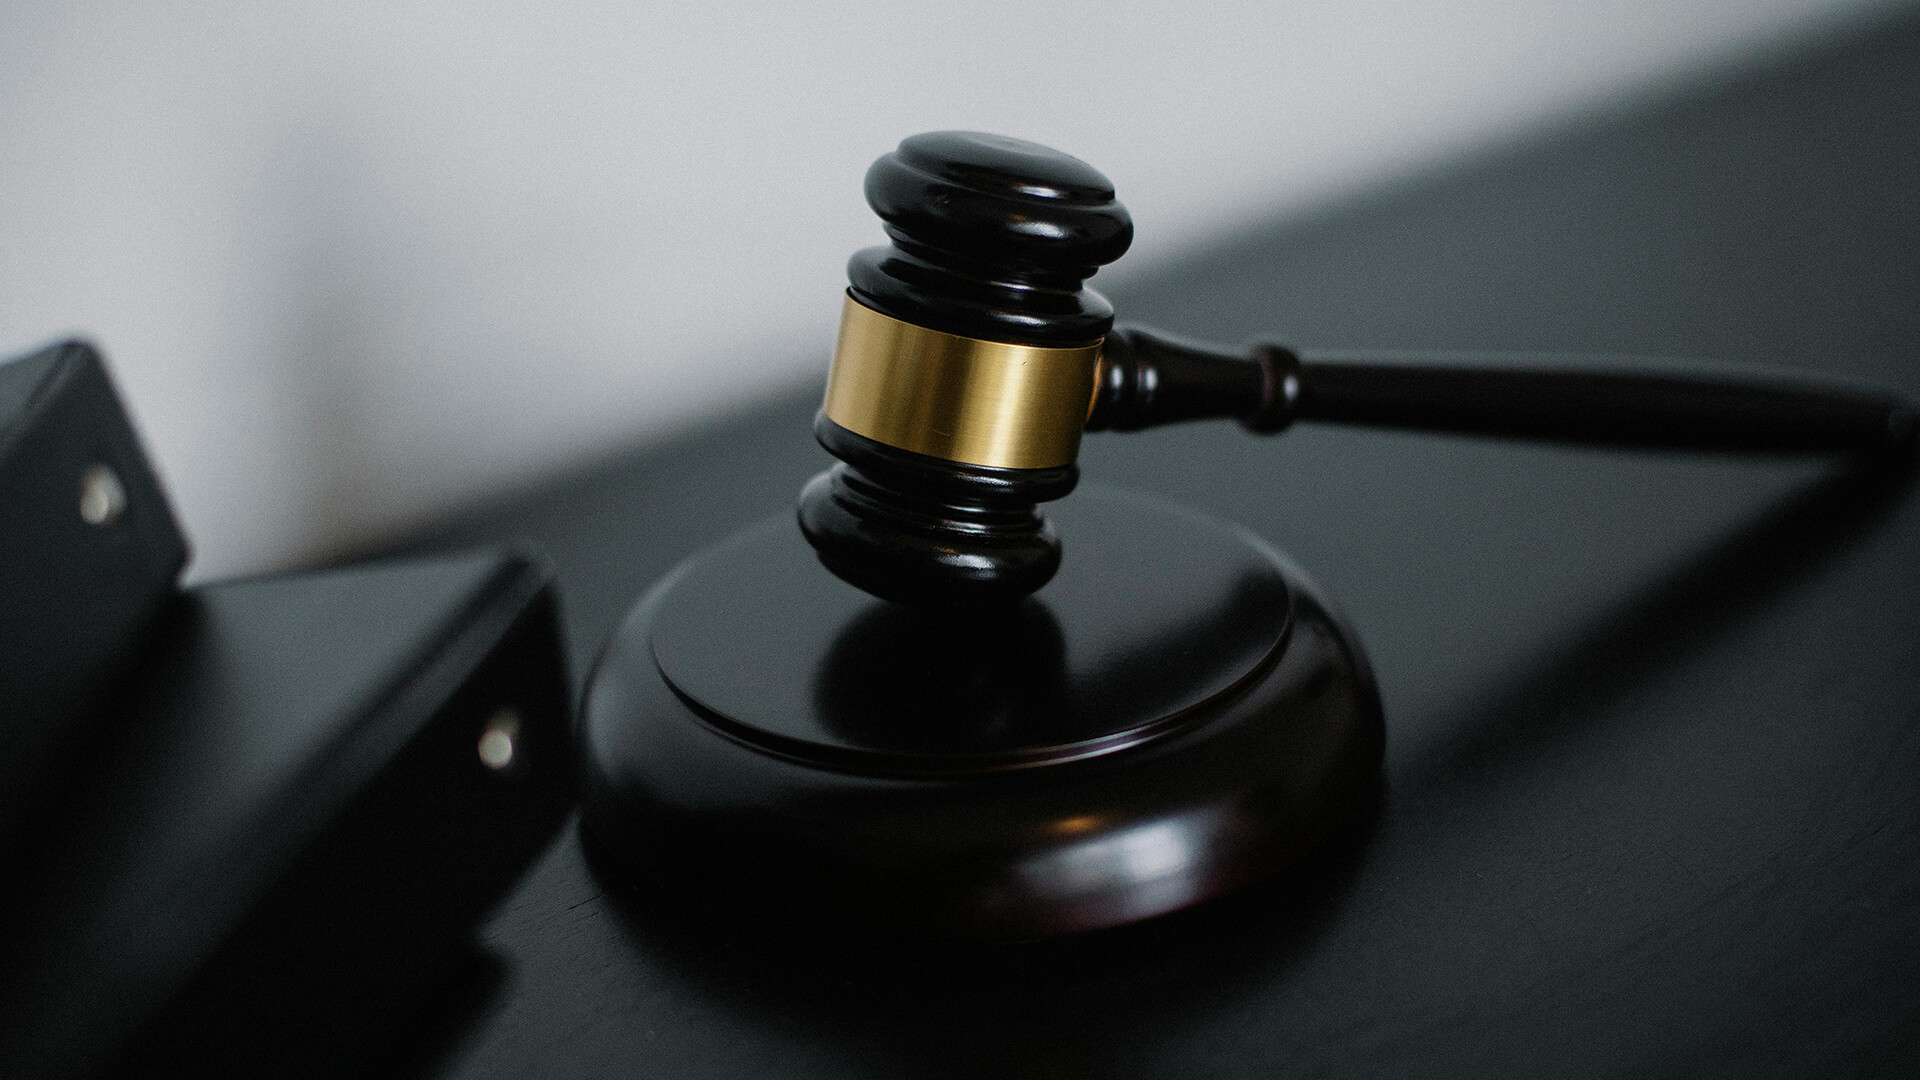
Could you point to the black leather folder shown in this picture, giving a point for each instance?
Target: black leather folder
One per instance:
(313, 787)
(89, 554)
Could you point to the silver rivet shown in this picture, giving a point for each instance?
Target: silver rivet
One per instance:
(102, 497)
(499, 739)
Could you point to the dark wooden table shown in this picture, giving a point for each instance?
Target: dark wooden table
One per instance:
(1654, 720)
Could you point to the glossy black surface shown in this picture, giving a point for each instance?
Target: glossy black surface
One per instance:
(1651, 805)
(1679, 404)
(1151, 378)
(1138, 737)
(992, 237)
(928, 532)
(1114, 649)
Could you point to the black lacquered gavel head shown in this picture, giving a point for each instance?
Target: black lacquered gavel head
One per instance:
(964, 371)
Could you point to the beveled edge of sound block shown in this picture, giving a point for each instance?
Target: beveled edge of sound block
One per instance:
(1259, 770)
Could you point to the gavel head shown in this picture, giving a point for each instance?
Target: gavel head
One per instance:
(965, 370)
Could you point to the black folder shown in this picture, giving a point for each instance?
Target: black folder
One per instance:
(89, 554)
(311, 789)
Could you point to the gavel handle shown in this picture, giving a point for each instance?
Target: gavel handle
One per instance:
(1148, 378)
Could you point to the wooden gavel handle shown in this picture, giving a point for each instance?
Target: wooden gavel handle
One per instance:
(1148, 378)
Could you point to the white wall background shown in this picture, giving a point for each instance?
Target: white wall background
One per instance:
(355, 263)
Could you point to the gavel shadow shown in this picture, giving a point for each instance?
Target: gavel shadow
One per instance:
(1661, 625)
(1081, 1005)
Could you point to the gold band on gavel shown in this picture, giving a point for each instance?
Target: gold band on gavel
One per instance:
(959, 398)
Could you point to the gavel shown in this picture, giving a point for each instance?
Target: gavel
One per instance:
(956, 732)
(971, 357)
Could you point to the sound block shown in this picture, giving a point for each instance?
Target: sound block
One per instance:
(1177, 714)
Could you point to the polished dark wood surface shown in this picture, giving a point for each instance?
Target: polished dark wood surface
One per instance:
(1653, 761)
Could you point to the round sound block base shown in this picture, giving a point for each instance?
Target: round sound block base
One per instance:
(1176, 715)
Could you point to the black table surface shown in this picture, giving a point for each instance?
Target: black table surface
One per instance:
(1653, 774)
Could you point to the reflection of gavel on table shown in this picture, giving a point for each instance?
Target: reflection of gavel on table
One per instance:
(1176, 713)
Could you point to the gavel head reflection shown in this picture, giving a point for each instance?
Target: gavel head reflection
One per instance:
(965, 370)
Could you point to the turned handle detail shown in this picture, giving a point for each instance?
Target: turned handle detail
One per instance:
(1148, 378)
